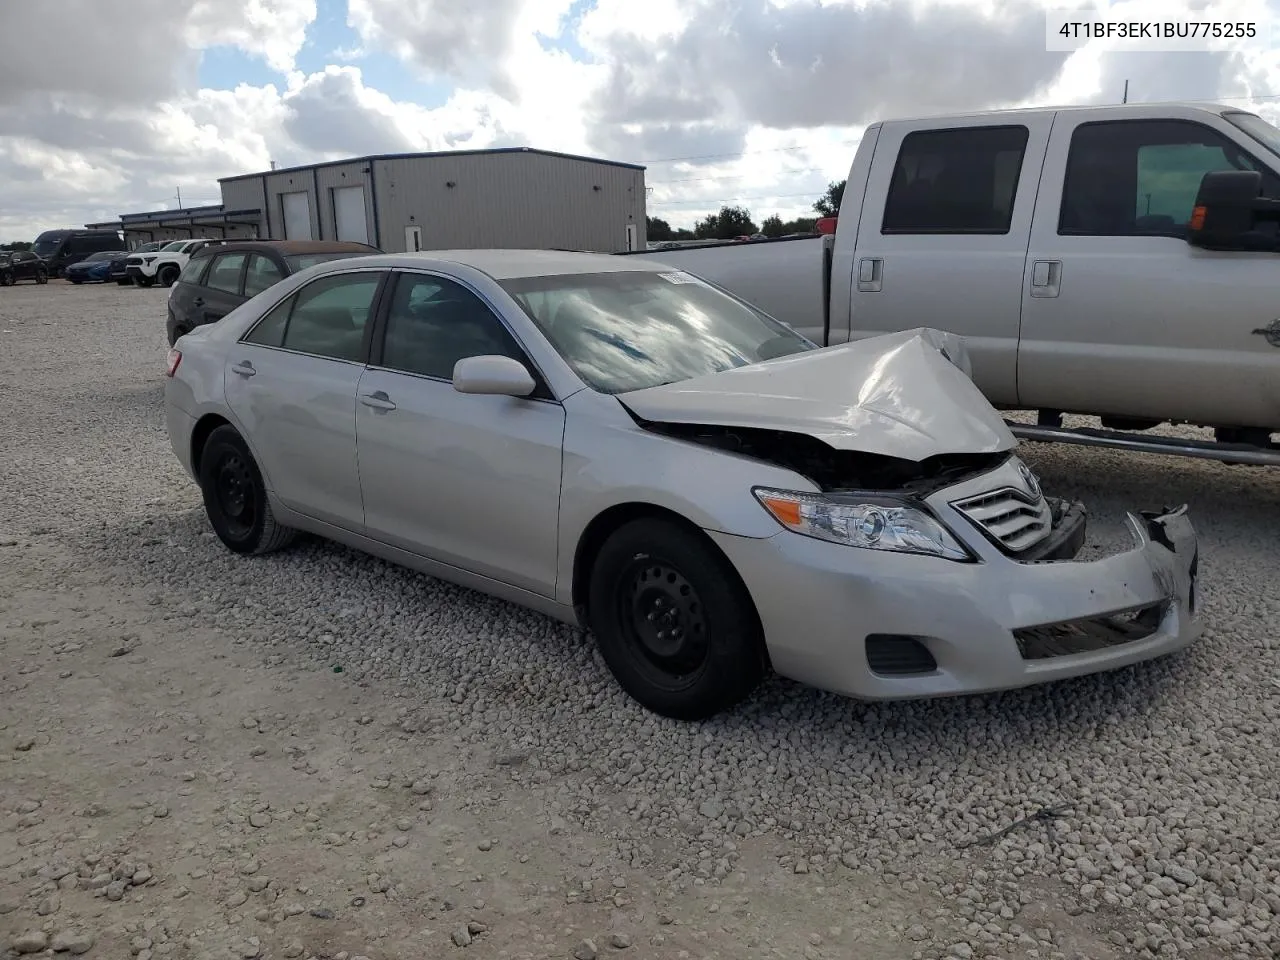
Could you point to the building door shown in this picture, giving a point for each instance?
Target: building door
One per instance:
(349, 214)
(632, 236)
(412, 239)
(297, 216)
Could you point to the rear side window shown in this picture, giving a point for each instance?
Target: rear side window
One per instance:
(263, 272)
(955, 181)
(224, 275)
(194, 270)
(1137, 178)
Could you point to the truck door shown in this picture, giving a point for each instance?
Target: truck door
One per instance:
(943, 236)
(1120, 315)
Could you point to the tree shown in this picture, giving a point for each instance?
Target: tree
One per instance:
(658, 229)
(730, 222)
(828, 205)
(773, 226)
(16, 245)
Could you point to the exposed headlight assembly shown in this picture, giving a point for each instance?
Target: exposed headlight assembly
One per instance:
(871, 522)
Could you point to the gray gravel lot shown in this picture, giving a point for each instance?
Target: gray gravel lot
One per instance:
(826, 827)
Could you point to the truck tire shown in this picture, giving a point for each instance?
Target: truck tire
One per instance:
(145, 281)
(167, 275)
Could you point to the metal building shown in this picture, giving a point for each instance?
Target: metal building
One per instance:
(214, 221)
(514, 197)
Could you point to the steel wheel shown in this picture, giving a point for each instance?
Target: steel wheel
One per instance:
(236, 494)
(663, 622)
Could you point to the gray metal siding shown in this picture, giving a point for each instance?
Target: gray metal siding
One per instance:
(509, 200)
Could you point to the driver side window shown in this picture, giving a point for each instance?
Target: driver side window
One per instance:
(1135, 178)
(434, 322)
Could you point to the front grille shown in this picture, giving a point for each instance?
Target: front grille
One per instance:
(898, 655)
(134, 261)
(1010, 517)
(1086, 636)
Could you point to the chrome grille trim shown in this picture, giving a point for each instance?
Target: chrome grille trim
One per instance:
(1012, 518)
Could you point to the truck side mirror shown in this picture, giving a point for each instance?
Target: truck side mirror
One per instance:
(1228, 207)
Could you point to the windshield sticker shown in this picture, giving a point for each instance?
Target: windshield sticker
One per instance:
(680, 277)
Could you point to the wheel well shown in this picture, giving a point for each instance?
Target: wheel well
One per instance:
(603, 526)
(205, 426)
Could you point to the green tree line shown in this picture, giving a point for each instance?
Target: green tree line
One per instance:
(733, 221)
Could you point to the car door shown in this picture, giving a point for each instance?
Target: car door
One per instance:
(291, 382)
(1120, 315)
(221, 291)
(943, 234)
(465, 479)
(262, 273)
(24, 266)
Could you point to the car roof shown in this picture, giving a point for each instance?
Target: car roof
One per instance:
(503, 264)
(288, 247)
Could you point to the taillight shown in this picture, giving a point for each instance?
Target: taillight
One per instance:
(175, 358)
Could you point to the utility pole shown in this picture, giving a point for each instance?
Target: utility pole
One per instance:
(179, 198)
(1126, 92)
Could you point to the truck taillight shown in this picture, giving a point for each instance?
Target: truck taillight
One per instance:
(827, 225)
(175, 358)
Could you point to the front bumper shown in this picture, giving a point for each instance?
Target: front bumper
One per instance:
(934, 627)
(134, 271)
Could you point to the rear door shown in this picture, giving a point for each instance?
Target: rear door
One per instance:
(1120, 315)
(942, 239)
(291, 382)
(223, 287)
(262, 273)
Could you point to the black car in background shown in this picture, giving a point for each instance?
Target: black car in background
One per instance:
(61, 248)
(18, 265)
(117, 271)
(217, 279)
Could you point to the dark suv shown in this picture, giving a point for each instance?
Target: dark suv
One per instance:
(219, 278)
(18, 265)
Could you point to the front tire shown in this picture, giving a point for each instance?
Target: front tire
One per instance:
(674, 622)
(235, 498)
(145, 281)
(167, 276)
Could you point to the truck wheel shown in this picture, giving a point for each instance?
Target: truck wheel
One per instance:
(167, 275)
(145, 281)
(674, 622)
(235, 498)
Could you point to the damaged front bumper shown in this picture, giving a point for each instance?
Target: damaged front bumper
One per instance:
(879, 625)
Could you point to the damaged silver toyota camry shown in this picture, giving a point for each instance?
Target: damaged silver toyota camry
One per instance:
(629, 449)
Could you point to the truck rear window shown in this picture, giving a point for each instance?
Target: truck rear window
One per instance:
(961, 180)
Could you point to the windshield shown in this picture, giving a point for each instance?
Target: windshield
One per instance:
(630, 330)
(1265, 133)
(147, 247)
(175, 244)
(42, 248)
(300, 261)
(104, 255)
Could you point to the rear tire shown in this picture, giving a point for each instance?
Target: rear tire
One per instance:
(6, 280)
(235, 498)
(674, 622)
(167, 276)
(42, 277)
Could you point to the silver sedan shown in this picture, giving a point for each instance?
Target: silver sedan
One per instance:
(628, 448)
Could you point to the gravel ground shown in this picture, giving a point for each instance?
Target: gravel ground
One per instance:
(316, 754)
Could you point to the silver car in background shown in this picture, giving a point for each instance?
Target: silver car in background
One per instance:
(627, 448)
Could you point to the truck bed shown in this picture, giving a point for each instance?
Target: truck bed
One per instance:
(782, 277)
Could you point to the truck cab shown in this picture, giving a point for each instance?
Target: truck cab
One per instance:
(1059, 243)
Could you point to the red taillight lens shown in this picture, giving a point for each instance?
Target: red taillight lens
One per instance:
(826, 226)
(175, 358)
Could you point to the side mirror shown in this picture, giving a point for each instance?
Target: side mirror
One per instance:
(1228, 207)
(495, 375)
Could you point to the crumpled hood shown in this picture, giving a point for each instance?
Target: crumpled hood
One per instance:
(897, 395)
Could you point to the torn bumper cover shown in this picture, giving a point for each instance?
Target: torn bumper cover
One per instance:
(878, 625)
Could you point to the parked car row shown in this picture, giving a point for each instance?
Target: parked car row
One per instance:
(18, 265)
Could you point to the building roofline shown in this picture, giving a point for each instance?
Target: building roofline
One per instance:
(428, 154)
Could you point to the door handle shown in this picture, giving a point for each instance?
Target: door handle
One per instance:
(244, 368)
(198, 301)
(1046, 278)
(870, 274)
(378, 400)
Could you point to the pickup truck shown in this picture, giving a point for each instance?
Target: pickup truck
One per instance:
(163, 266)
(1116, 261)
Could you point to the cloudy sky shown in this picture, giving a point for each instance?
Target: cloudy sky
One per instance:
(113, 106)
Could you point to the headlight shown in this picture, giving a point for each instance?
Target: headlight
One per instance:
(148, 259)
(871, 522)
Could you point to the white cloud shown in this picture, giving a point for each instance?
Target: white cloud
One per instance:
(100, 112)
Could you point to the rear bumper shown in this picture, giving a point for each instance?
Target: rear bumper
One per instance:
(994, 624)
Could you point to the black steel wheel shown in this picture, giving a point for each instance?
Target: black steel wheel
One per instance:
(167, 276)
(673, 620)
(235, 497)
